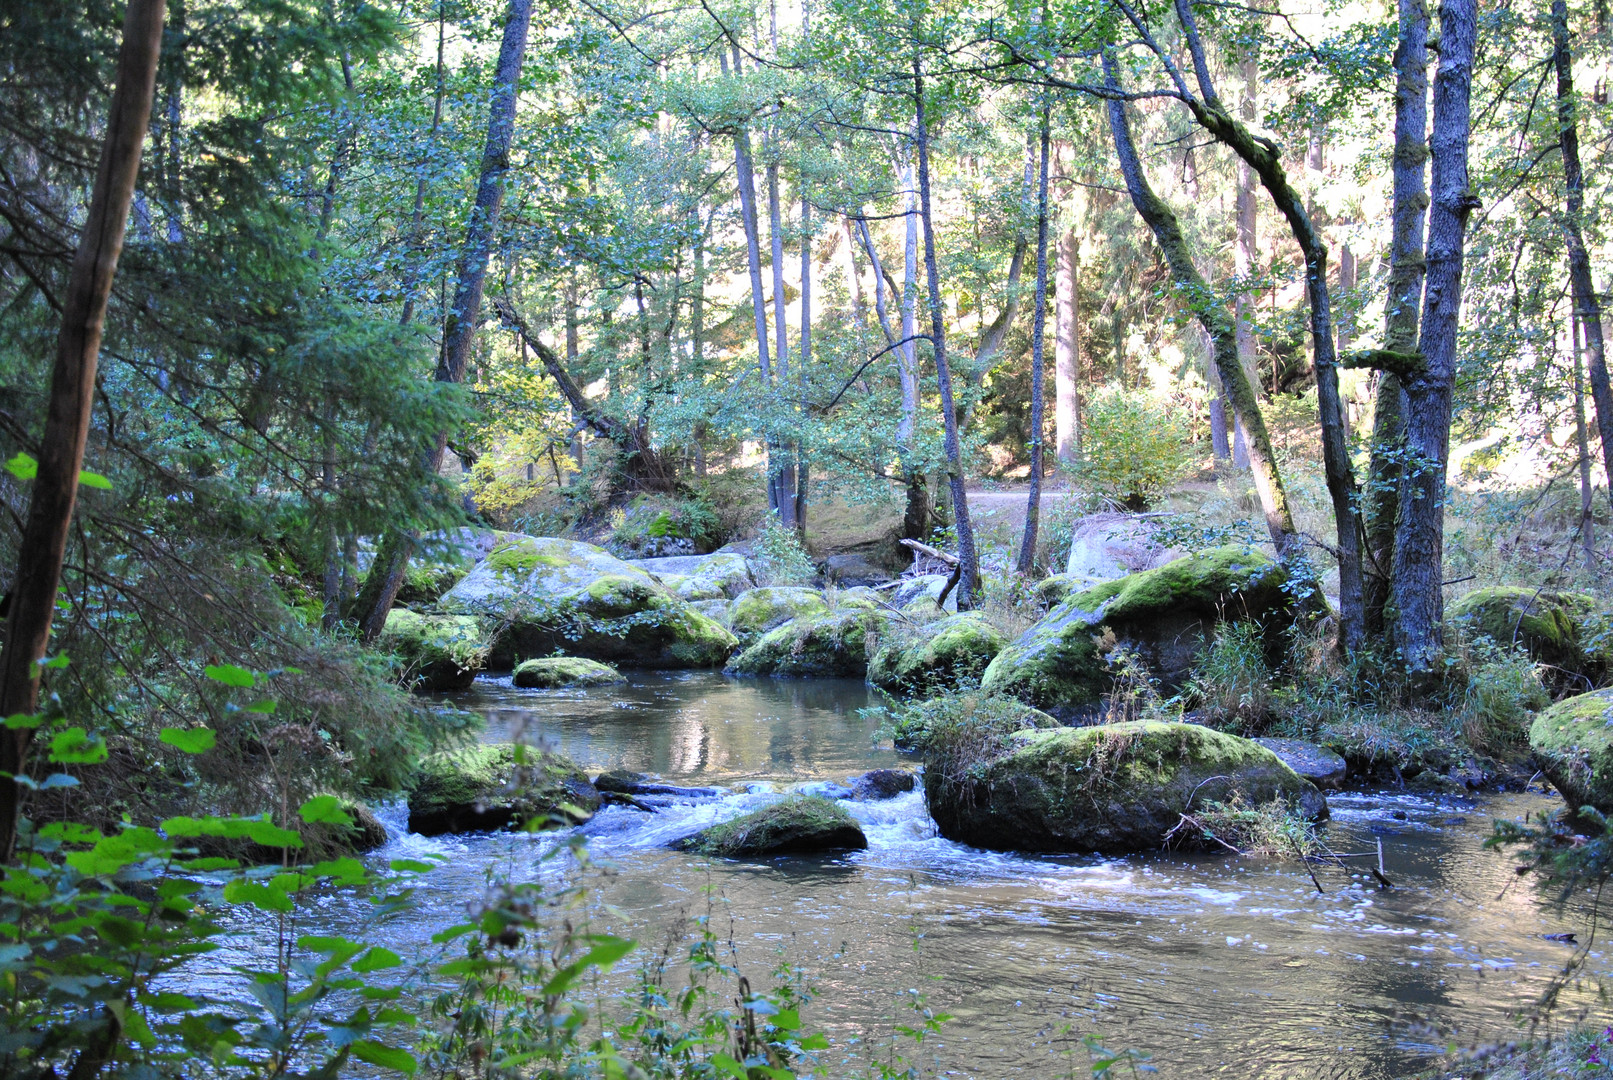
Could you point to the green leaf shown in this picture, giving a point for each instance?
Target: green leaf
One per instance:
(377, 959)
(93, 480)
(24, 720)
(269, 834)
(386, 1057)
(74, 746)
(325, 809)
(729, 1066)
(260, 707)
(190, 740)
(229, 675)
(409, 866)
(788, 1019)
(23, 466)
(266, 896)
(55, 663)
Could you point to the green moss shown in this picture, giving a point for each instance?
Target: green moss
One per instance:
(556, 671)
(825, 646)
(756, 611)
(942, 655)
(800, 825)
(1557, 628)
(1110, 788)
(437, 652)
(423, 583)
(524, 556)
(1573, 743)
(497, 786)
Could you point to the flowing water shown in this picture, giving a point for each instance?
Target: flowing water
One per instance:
(1216, 966)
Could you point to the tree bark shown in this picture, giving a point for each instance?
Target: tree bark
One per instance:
(1245, 256)
(1420, 533)
(916, 518)
(1161, 220)
(1033, 500)
(1067, 349)
(783, 479)
(969, 579)
(1587, 305)
(43, 545)
(806, 359)
(459, 331)
(1385, 474)
(1587, 533)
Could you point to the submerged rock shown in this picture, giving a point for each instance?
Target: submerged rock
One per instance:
(556, 671)
(1111, 788)
(1317, 764)
(756, 611)
(497, 786)
(1557, 628)
(883, 784)
(1165, 615)
(797, 826)
(1573, 744)
(941, 655)
(828, 646)
(626, 782)
(553, 595)
(439, 652)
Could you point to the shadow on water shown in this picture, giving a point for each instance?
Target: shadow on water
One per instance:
(1216, 966)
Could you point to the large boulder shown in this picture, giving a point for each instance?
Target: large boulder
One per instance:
(797, 826)
(1165, 616)
(832, 645)
(937, 656)
(1112, 545)
(1573, 744)
(923, 590)
(719, 576)
(1560, 629)
(1317, 764)
(549, 595)
(1111, 788)
(498, 786)
(438, 652)
(756, 611)
(553, 672)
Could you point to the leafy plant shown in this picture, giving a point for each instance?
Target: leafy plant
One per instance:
(1231, 681)
(780, 558)
(1132, 450)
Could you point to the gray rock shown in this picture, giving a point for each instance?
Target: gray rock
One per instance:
(854, 568)
(1110, 545)
(883, 784)
(924, 586)
(1317, 764)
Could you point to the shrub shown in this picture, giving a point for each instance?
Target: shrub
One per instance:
(1495, 690)
(780, 558)
(1231, 681)
(660, 525)
(1132, 450)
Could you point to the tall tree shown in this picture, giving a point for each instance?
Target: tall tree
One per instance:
(43, 545)
(1033, 499)
(464, 316)
(1067, 348)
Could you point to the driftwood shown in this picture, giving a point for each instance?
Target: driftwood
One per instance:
(950, 560)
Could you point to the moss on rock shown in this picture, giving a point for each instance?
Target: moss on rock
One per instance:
(497, 786)
(1165, 615)
(556, 671)
(438, 652)
(795, 826)
(827, 646)
(754, 612)
(1112, 788)
(1573, 744)
(941, 655)
(1557, 628)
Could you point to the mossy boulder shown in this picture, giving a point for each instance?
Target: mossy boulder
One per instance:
(754, 612)
(548, 595)
(1165, 616)
(1573, 744)
(859, 596)
(438, 652)
(1562, 629)
(722, 575)
(804, 825)
(553, 672)
(1111, 788)
(941, 655)
(497, 786)
(833, 645)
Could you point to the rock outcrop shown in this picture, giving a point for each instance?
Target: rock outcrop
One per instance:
(438, 652)
(498, 786)
(938, 656)
(1573, 745)
(831, 645)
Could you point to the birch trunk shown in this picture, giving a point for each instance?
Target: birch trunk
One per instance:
(1067, 349)
(1033, 500)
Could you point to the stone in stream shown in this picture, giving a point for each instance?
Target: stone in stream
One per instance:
(497, 786)
(1165, 615)
(925, 588)
(438, 652)
(935, 657)
(626, 782)
(549, 595)
(803, 825)
(553, 672)
(883, 784)
(756, 611)
(1110, 788)
(825, 646)
(1573, 745)
(1317, 764)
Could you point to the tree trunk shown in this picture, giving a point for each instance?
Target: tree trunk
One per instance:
(459, 331)
(1067, 349)
(969, 576)
(43, 545)
(1219, 443)
(1161, 220)
(1385, 474)
(1245, 256)
(1587, 305)
(1033, 500)
(1420, 534)
(916, 518)
(1587, 534)
(783, 479)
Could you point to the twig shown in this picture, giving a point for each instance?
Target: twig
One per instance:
(1383, 881)
(1308, 870)
(934, 553)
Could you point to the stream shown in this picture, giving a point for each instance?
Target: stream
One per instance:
(1214, 965)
